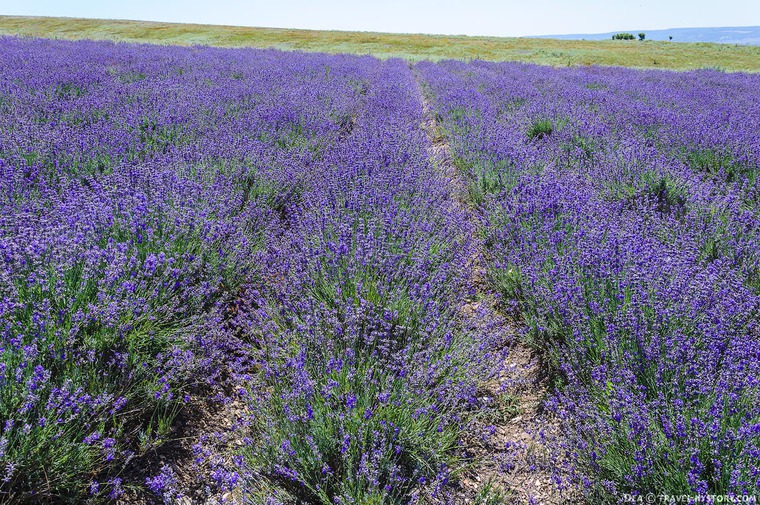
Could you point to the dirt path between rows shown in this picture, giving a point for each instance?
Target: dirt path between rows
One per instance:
(511, 452)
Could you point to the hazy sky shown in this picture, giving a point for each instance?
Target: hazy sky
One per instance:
(472, 17)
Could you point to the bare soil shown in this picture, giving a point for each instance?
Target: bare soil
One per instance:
(510, 450)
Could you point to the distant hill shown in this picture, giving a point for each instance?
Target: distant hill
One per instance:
(545, 51)
(748, 35)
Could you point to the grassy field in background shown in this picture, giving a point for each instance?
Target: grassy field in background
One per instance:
(649, 54)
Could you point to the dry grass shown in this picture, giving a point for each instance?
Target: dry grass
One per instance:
(649, 54)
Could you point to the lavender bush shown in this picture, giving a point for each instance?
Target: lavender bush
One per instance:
(621, 214)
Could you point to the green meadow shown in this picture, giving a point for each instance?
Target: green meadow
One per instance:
(414, 47)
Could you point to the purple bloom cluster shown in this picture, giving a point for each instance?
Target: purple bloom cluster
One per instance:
(623, 224)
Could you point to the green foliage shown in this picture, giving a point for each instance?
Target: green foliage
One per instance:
(540, 129)
(623, 36)
(668, 193)
(491, 494)
(294, 136)
(485, 179)
(716, 163)
(545, 332)
(158, 138)
(582, 148)
(360, 86)
(457, 114)
(126, 76)
(642, 36)
(69, 91)
(509, 283)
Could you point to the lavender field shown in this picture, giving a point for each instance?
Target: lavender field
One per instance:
(250, 276)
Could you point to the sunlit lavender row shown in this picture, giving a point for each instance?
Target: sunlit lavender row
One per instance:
(622, 221)
(138, 186)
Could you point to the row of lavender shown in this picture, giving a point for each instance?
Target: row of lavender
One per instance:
(139, 187)
(367, 377)
(622, 216)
